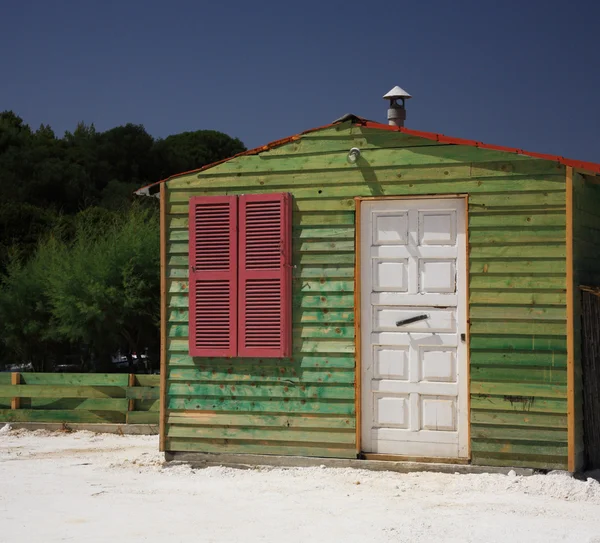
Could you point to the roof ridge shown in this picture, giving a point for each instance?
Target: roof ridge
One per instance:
(355, 119)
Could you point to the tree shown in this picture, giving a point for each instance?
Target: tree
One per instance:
(104, 286)
(28, 335)
(192, 150)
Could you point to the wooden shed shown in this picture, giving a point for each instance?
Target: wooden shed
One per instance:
(369, 291)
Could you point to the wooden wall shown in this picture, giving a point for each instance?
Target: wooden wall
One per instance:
(586, 271)
(306, 406)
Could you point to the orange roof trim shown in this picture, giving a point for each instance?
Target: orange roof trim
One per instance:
(440, 138)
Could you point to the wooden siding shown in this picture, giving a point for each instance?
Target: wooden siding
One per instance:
(586, 271)
(306, 406)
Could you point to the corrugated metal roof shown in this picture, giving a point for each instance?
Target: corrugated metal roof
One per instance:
(590, 167)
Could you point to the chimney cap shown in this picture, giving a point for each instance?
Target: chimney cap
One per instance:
(396, 93)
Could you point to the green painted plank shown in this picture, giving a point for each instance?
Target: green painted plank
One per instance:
(288, 420)
(146, 405)
(519, 235)
(525, 267)
(498, 312)
(323, 246)
(316, 258)
(324, 271)
(523, 404)
(177, 272)
(521, 297)
(520, 461)
(519, 418)
(533, 328)
(101, 404)
(316, 218)
(504, 433)
(548, 359)
(325, 300)
(323, 315)
(324, 331)
(286, 405)
(261, 374)
(519, 389)
(261, 434)
(61, 391)
(517, 201)
(265, 391)
(509, 374)
(324, 285)
(520, 250)
(147, 380)
(5, 378)
(143, 393)
(263, 447)
(143, 417)
(92, 379)
(518, 447)
(59, 415)
(299, 362)
(521, 220)
(325, 346)
(523, 282)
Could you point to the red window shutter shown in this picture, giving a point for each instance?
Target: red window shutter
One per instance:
(265, 276)
(213, 276)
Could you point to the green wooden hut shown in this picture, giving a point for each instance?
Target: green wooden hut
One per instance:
(362, 290)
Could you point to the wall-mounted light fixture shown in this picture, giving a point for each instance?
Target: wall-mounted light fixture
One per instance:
(353, 155)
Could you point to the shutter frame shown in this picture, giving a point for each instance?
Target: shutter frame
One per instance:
(259, 322)
(213, 276)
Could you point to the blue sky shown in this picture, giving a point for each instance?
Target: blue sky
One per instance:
(519, 73)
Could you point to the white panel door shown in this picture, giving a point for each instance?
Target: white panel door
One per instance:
(413, 314)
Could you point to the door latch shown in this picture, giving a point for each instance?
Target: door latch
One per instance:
(412, 319)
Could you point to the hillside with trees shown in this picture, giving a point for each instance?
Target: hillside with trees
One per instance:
(79, 253)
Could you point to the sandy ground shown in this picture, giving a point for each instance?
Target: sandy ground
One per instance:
(87, 487)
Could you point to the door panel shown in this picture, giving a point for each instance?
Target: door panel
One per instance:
(414, 364)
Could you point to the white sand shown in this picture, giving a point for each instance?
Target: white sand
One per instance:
(86, 487)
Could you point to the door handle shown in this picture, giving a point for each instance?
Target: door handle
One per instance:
(412, 319)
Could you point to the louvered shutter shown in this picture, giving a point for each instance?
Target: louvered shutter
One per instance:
(213, 276)
(265, 276)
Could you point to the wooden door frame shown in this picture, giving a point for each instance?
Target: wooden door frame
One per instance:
(357, 320)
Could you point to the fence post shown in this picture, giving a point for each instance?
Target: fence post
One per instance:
(131, 406)
(15, 379)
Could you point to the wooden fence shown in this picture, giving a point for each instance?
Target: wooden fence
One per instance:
(79, 398)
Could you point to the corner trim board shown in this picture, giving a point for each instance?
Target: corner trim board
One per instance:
(163, 317)
(570, 324)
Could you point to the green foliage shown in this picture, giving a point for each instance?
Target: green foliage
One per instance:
(79, 258)
(100, 289)
(25, 312)
(104, 285)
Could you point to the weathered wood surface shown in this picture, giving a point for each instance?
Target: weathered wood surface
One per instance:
(80, 397)
(586, 271)
(517, 297)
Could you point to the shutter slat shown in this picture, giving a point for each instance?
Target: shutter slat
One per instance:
(265, 240)
(213, 276)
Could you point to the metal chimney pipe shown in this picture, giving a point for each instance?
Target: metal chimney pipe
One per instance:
(396, 113)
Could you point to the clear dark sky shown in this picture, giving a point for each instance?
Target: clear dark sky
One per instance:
(519, 73)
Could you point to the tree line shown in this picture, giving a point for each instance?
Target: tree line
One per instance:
(79, 253)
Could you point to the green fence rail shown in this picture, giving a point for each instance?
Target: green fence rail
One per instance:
(79, 398)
